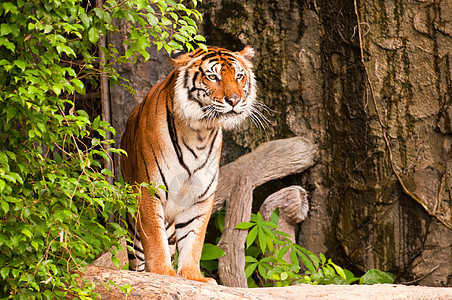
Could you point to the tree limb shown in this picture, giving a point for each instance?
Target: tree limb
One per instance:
(271, 160)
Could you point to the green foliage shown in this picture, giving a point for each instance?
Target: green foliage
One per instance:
(54, 197)
(266, 246)
(210, 255)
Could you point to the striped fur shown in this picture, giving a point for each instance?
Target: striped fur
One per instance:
(173, 138)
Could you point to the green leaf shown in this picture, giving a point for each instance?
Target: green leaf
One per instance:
(10, 7)
(79, 86)
(312, 256)
(250, 269)
(374, 276)
(21, 64)
(95, 123)
(252, 234)
(305, 260)
(5, 42)
(284, 275)
(142, 4)
(199, 38)
(4, 272)
(262, 239)
(116, 262)
(5, 205)
(66, 49)
(250, 259)
(294, 257)
(210, 252)
(93, 35)
(244, 225)
(27, 233)
(274, 217)
(85, 20)
(211, 265)
(5, 29)
(269, 242)
(350, 277)
(338, 269)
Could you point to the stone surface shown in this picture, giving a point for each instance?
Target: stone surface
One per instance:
(154, 286)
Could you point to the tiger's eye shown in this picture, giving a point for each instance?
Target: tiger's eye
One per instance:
(239, 77)
(212, 77)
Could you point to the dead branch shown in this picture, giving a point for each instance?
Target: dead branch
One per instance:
(269, 161)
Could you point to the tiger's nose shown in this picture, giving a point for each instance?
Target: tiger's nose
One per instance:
(232, 101)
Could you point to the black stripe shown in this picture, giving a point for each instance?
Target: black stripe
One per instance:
(189, 149)
(183, 237)
(201, 139)
(171, 240)
(222, 53)
(209, 55)
(182, 225)
(161, 174)
(138, 255)
(190, 97)
(201, 71)
(132, 256)
(146, 167)
(210, 151)
(194, 79)
(173, 136)
(208, 187)
(197, 52)
(147, 175)
(168, 225)
(138, 250)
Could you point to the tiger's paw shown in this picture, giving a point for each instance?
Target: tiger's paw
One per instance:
(209, 281)
(163, 271)
(197, 276)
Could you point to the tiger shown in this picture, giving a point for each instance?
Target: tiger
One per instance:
(174, 139)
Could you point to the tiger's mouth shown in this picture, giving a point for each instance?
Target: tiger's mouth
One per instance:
(231, 113)
(215, 113)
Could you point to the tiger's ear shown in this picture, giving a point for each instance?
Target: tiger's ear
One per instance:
(247, 52)
(180, 58)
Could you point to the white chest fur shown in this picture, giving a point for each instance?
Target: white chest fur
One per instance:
(192, 168)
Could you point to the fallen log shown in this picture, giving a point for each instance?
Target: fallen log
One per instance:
(154, 286)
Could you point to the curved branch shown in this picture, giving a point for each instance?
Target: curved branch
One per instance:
(271, 160)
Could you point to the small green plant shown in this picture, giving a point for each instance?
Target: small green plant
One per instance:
(210, 255)
(266, 246)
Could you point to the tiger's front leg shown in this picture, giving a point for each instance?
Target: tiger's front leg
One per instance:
(191, 228)
(151, 226)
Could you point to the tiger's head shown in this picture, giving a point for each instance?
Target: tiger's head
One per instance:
(215, 88)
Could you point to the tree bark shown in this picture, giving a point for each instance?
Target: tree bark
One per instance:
(154, 286)
(271, 160)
